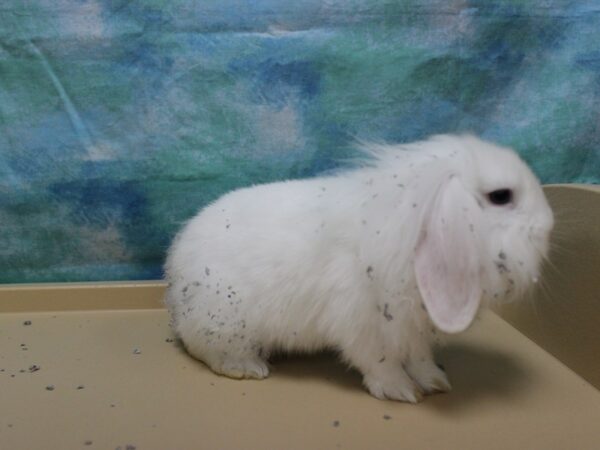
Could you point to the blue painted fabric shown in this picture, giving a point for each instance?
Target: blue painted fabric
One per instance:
(119, 119)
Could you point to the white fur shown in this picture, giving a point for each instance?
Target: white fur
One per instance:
(328, 262)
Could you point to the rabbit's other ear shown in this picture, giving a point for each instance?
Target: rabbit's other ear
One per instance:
(447, 260)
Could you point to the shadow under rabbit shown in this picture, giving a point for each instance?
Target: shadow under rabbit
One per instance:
(324, 365)
(475, 373)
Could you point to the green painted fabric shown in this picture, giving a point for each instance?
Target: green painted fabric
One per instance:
(120, 119)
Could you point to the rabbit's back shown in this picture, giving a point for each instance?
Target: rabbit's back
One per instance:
(274, 253)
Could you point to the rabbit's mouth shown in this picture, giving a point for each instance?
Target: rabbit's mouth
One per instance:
(540, 242)
(511, 276)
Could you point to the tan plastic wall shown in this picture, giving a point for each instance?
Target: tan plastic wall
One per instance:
(564, 316)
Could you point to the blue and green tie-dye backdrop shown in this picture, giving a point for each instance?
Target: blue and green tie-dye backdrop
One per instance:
(120, 118)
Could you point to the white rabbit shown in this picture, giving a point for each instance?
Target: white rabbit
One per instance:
(368, 262)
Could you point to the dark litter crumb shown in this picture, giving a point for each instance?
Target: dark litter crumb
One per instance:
(386, 313)
(137, 351)
(27, 323)
(169, 340)
(336, 423)
(50, 387)
(88, 443)
(386, 417)
(80, 387)
(34, 368)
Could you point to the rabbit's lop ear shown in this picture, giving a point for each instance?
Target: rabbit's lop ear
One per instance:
(447, 263)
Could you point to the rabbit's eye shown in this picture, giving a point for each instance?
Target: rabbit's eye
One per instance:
(500, 197)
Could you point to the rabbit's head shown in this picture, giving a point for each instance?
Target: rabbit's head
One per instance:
(484, 230)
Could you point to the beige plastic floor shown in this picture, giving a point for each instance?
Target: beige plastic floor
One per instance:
(109, 376)
(112, 379)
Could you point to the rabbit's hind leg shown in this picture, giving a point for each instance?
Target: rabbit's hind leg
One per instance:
(245, 362)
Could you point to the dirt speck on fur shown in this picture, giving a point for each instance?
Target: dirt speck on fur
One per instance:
(502, 267)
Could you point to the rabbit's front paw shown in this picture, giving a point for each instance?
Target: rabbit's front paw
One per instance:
(429, 376)
(393, 383)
